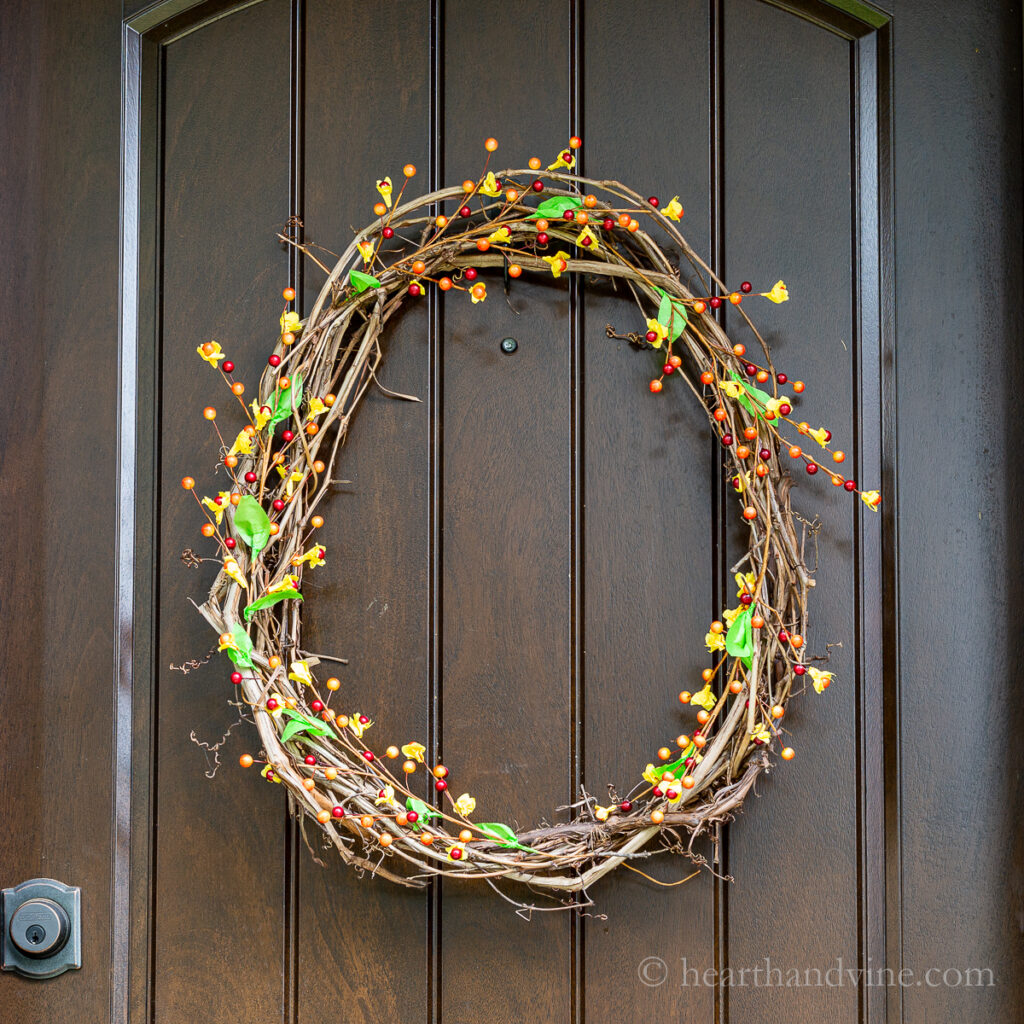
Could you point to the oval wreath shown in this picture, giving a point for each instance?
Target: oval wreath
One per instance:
(281, 466)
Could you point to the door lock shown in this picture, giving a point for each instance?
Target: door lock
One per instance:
(41, 922)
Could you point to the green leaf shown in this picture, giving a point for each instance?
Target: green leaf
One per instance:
(425, 811)
(553, 208)
(739, 641)
(243, 656)
(760, 398)
(283, 401)
(360, 281)
(502, 835)
(270, 599)
(673, 315)
(300, 724)
(252, 524)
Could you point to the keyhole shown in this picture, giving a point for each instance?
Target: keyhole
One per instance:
(35, 934)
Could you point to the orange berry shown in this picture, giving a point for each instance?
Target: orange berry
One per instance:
(762, 376)
(238, 388)
(478, 291)
(675, 361)
(699, 306)
(624, 220)
(323, 817)
(688, 782)
(188, 483)
(287, 338)
(392, 752)
(534, 163)
(468, 186)
(427, 839)
(575, 142)
(699, 742)
(333, 683)
(802, 428)
(707, 377)
(482, 244)
(465, 836)
(309, 785)
(385, 840)
(441, 220)
(409, 170)
(684, 697)
(633, 226)
(720, 414)
(445, 284)
(664, 753)
(514, 270)
(762, 469)
(838, 456)
(707, 675)
(274, 661)
(750, 512)
(655, 386)
(366, 821)
(249, 430)
(311, 429)
(837, 480)
(742, 452)
(284, 383)
(778, 711)
(418, 266)
(582, 217)
(542, 225)
(590, 201)
(795, 451)
(735, 686)
(511, 195)
(210, 413)
(235, 499)
(409, 767)
(440, 771)
(208, 348)
(274, 529)
(757, 621)
(796, 640)
(798, 386)
(738, 349)
(402, 819)
(318, 466)
(702, 716)
(288, 294)
(331, 773)
(231, 461)
(207, 530)
(735, 298)
(330, 399)
(717, 627)
(682, 741)
(316, 522)
(245, 760)
(750, 433)
(380, 209)
(657, 817)
(788, 754)
(490, 145)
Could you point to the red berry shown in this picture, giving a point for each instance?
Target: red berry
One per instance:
(657, 791)
(568, 215)
(608, 224)
(368, 754)
(310, 760)
(338, 812)
(274, 360)
(317, 706)
(714, 302)
(440, 785)
(250, 477)
(538, 186)
(362, 718)
(783, 636)
(652, 336)
(388, 232)
(542, 238)
(229, 543)
(799, 669)
(470, 273)
(465, 212)
(765, 454)
(414, 290)
(278, 504)
(668, 368)
(287, 435)
(812, 468)
(785, 408)
(227, 366)
(727, 440)
(412, 817)
(653, 200)
(236, 677)
(850, 485)
(625, 806)
(271, 704)
(747, 599)
(746, 287)
(751, 369)
(781, 378)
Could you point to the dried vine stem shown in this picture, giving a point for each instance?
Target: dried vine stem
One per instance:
(337, 352)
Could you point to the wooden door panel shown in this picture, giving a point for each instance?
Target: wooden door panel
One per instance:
(219, 865)
(362, 943)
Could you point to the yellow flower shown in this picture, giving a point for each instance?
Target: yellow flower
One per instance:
(565, 159)
(587, 239)
(503, 234)
(821, 680)
(300, 673)
(729, 615)
(674, 210)
(779, 292)
(415, 751)
(213, 355)
(733, 388)
(279, 710)
(357, 726)
(268, 771)
(260, 414)
(746, 582)
(705, 699)
(821, 435)
(315, 556)
(490, 186)
(457, 846)
(366, 250)
(559, 263)
(384, 188)
(741, 483)
(316, 408)
(660, 330)
(651, 775)
(715, 642)
(465, 805)
(386, 797)
(242, 445)
(229, 644)
(761, 734)
(290, 323)
(872, 499)
(287, 583)
(232, 568)
(478, 293)
(292, 479)
(218, 506)
(602, 813)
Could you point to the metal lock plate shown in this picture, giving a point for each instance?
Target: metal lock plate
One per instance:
(42, 928)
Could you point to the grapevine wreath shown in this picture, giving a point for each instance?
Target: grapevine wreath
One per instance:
(555, 223)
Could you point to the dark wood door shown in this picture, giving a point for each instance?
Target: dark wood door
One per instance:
(523, 563)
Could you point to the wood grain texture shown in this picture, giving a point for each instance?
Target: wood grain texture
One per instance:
(648, 498)
(788, 211)
(960, 375)
(219, 892)
(370, 603)
(58, 363)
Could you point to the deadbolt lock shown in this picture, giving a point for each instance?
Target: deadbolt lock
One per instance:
(41, 928)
